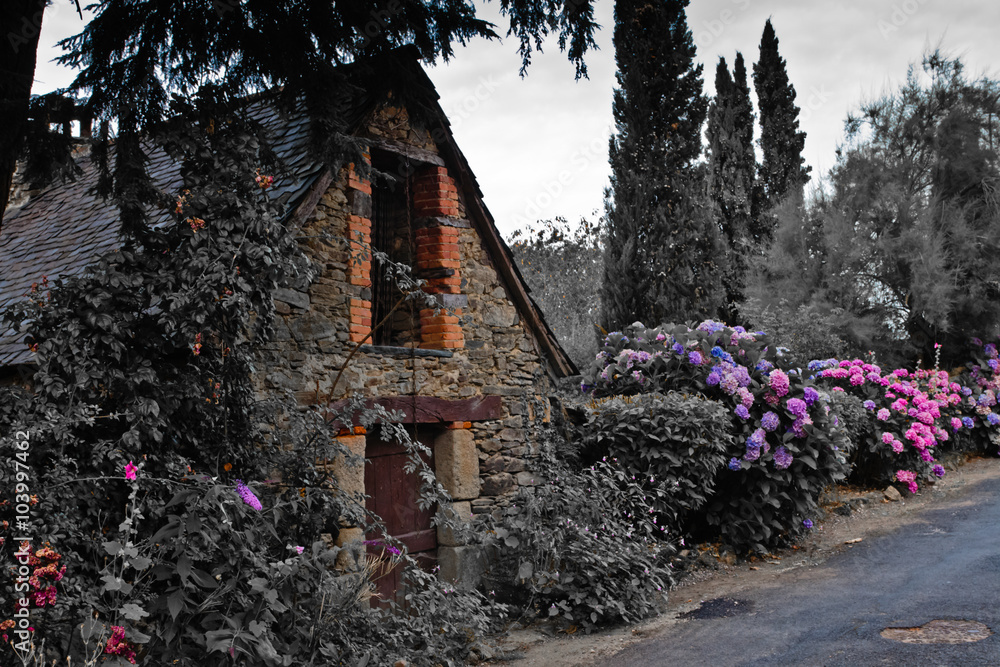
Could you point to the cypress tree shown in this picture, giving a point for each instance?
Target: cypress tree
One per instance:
(662, 248)
(732, 167)
(783, 172)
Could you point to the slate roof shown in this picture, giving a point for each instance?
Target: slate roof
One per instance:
(61, 230)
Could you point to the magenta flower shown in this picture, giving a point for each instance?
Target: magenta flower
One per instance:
(247, 495)
(909, 478)
(779, 382)
(130, 470)
(796, 406)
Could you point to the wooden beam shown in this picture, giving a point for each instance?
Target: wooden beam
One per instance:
(433, 410)
(413, 152)
(309, 202)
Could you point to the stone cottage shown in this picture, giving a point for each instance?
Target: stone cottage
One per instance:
(470, 371)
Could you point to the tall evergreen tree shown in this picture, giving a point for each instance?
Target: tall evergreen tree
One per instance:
(662, 253)
(783, 172)
(732, 168)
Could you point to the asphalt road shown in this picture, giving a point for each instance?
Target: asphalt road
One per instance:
(946, 566)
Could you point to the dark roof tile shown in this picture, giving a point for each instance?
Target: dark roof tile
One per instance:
(65, 227)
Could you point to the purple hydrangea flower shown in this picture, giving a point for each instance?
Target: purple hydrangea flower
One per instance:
(734, 464)
(811, 395)
(797, 407)
(764, 365)
(869, 405)
(756, 438)
(678, 348)
(769, 421)
(742, 412)
(695, 358)
(247, 495)
(713, 378)
(993, 418)
(753, 453)
(967, 422)
(782, 459)
(938, 470)
(808, 524)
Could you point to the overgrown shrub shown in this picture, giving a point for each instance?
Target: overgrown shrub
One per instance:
(586, 547)
(674, 441)
(786, 448)
(145, 366)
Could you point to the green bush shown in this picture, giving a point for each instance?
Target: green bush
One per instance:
(674, 441)
(586, 547)
(786, 447)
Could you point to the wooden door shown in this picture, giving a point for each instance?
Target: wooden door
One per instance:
(392, 495)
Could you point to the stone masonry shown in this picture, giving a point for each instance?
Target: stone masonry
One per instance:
(481, 347)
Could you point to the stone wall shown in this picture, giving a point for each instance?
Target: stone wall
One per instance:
(481, 345)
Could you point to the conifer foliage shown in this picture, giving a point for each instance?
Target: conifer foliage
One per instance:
(134, 55)
(783, 172)
(662, 253)
(732, 167)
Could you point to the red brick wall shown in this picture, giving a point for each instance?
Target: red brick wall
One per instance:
(359, 268)
(435, 201)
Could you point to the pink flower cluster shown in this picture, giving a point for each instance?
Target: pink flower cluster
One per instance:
(917, 399)
(909, 478)
(117, 644)
(45, 576)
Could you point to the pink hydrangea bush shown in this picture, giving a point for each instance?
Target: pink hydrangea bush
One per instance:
(914, 414)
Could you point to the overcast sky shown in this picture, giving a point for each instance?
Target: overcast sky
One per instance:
(538, 145)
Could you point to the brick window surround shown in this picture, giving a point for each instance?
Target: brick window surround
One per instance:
(438, 255)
